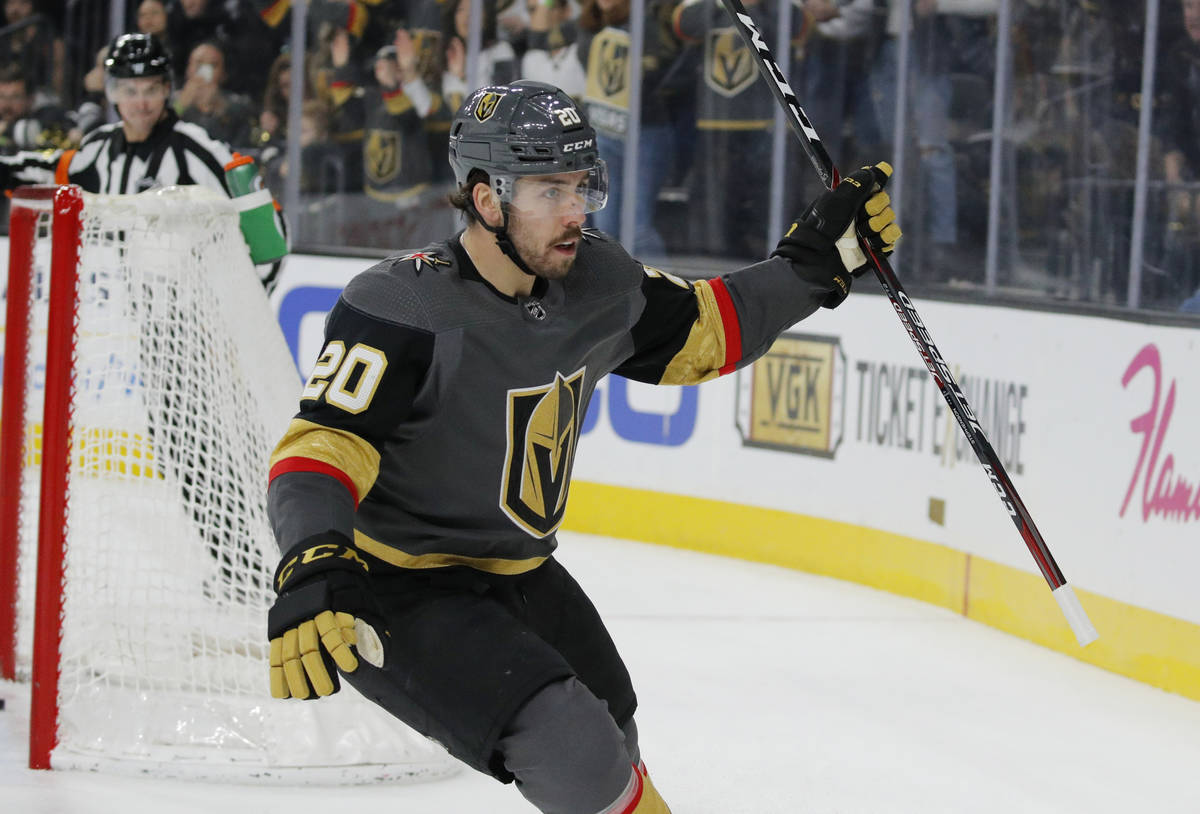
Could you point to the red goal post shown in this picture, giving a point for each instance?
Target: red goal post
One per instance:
(64, 204)
(145, 382)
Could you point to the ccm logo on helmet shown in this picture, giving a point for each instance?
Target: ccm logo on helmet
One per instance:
(572, 146)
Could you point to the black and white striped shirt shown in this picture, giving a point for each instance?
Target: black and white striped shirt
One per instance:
(176, 152)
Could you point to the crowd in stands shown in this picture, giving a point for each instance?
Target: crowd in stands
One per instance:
(382, 79)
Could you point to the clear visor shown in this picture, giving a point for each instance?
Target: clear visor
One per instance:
(131, 89)
(559, 194)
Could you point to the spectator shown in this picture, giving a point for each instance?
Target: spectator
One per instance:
(497, 60)
(342, 90)
(225, 116)
(347, 15)
(1180, 129)
(551, 48)
(316, 176)
(929, 76)
(273, 115)
(191, 22)
(396, 159)
(603, 46)
(36, 49)
(1181, 117)
(29, 124)
(152, 18)
(835, 44)
(731, 175)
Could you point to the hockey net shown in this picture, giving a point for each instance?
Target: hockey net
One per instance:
(145, 383)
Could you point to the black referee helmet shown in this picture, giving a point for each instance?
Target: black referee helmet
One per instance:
(131, 56)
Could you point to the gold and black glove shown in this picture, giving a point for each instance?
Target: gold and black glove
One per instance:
(324, 617)
(829, 223)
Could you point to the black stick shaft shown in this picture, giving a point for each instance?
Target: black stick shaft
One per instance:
(802, 127)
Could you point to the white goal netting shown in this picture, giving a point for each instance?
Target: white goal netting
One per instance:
(182, 385)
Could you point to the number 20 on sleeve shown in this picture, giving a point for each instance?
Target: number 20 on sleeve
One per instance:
(347, 379)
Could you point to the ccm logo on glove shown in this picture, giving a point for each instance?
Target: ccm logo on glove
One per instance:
(324, 617)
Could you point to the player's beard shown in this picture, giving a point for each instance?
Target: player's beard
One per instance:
(537, 246)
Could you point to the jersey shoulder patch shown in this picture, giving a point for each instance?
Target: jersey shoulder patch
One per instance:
(425, 259)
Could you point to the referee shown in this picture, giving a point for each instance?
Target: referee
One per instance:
(149, 147)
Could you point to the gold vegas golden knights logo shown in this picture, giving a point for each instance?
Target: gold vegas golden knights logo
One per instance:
(608, 68)
(382, 153)
(486, 106)
(543, 429)
(793, 397)
(728, 66)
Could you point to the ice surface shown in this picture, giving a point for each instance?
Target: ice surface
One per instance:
(764, 690)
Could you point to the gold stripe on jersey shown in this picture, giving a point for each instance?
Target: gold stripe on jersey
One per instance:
(397, 103)
(340, 449)
(722, 124)
(703, 354)
(402, 559)
(340, 93)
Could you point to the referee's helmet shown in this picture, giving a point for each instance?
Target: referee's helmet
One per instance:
(131, 56)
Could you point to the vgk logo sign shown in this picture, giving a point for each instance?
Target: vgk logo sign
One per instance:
(728, 66)
(543, 430)
(793, 398)
(382, 156)
(486, 106)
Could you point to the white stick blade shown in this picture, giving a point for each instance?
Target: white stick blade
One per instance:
(1085, 632)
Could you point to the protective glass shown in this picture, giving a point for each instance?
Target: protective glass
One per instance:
(556, 194)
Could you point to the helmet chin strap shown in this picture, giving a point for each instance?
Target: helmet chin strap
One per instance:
(503, 240)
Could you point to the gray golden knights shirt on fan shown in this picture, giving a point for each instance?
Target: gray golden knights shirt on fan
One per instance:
(451, 413)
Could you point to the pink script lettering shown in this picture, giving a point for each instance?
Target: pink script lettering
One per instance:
(1163, 492)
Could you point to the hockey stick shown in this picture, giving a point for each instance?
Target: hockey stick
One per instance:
(1085, 633)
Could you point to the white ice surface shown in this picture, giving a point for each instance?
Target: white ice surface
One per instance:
(764, 690)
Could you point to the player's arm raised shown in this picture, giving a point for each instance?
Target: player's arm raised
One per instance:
(690, 332)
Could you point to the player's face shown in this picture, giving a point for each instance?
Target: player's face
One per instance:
(140, 101)
(546, 221)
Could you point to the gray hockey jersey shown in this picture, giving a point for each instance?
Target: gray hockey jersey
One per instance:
(442, 418)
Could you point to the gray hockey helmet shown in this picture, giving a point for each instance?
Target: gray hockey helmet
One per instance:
(521, 129)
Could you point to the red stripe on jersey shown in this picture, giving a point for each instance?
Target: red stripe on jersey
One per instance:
(312, 465)
(639, 787)
(730, 324)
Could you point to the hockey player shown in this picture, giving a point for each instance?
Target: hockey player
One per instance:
(416, 495)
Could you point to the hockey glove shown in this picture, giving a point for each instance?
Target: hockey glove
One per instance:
(324, 617)
(829, 223)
